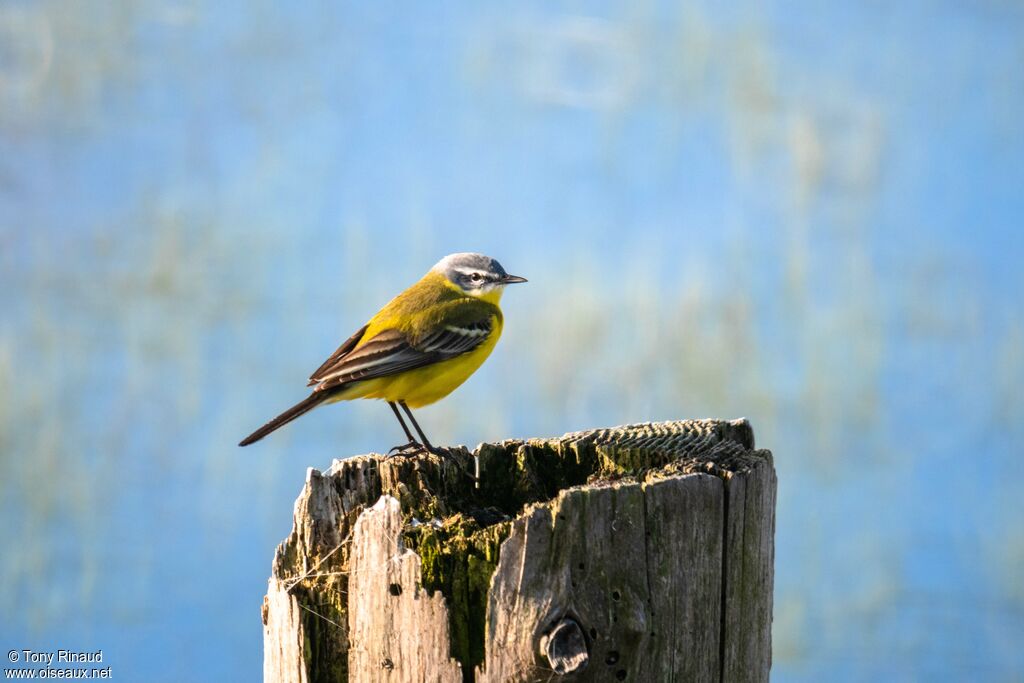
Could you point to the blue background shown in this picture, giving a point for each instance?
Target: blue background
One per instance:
(803, 214)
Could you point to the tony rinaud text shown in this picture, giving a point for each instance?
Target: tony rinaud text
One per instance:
(62, 657)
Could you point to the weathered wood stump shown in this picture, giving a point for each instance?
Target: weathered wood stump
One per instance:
(640, 553)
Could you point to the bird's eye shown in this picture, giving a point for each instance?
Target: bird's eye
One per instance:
(476, 277)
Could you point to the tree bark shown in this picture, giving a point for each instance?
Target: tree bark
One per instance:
(640, 553)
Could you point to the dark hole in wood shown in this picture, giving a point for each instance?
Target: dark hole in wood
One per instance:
(612, 658)
(395, 589)
(386, 663)
(566, 648)
(582, 566)
(593, 633)
(621, 674)
(616, 595)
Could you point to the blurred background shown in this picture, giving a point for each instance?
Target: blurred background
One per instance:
(806, 215)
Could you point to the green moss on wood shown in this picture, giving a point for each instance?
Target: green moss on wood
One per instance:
(458, 558)
(321, 613)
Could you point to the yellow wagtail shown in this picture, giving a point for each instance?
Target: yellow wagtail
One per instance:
(418, 349)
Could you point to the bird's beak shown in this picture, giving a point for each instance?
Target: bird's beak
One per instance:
(509, 279)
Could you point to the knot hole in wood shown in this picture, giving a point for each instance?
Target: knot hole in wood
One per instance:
(565, 647)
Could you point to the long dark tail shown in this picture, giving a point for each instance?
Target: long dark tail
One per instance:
(312, 401)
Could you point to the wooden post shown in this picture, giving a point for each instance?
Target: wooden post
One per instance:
(640, 553)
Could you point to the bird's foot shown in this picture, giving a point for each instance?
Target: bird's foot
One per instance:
(411, 448)
(416, 448)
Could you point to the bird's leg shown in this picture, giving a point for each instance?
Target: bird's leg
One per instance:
(426, 443)
(409, 448)
(405, 428)
(416, 426)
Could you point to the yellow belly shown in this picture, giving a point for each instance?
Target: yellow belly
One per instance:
(425, 385)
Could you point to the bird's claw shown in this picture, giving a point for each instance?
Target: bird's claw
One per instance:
(416, 448)
(411, 448)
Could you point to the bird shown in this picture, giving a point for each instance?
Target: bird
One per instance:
(416, 350)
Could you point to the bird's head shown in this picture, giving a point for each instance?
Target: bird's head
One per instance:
(476, 274)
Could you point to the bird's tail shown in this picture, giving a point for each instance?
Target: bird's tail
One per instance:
(312, 401)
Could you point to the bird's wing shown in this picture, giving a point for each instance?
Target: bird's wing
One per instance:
(343, 350)
(392, 351)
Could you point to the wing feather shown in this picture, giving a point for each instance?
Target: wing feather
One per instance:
(391, 352)
(340, 353)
